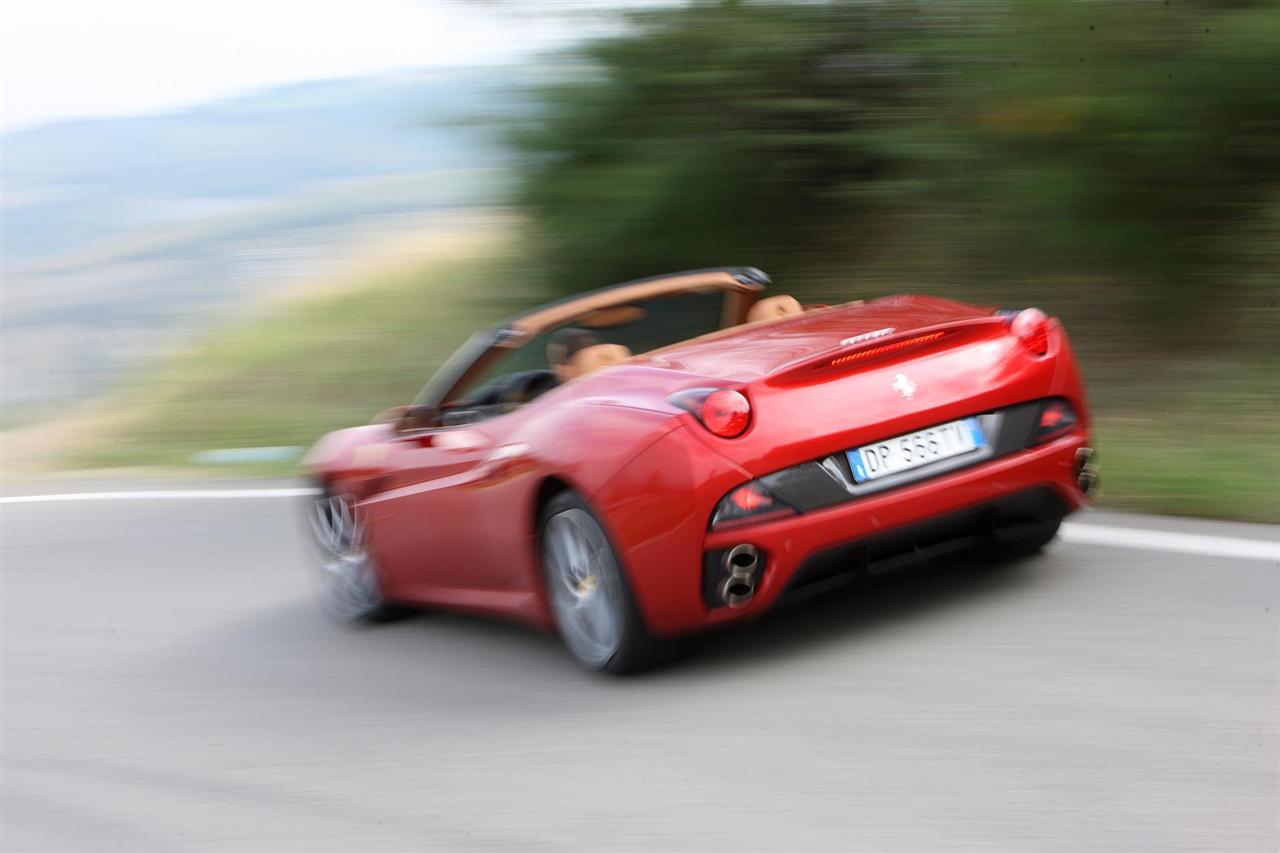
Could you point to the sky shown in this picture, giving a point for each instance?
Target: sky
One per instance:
(75, 58)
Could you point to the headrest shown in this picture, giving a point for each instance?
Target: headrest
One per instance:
(564, 343)
(598, 357)
(774, 308)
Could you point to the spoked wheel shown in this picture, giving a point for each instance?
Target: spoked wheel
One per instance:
(588, 592)
(349, 587)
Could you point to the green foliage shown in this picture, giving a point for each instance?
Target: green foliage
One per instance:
(712, 134)
(1126, 139)
(1021, 142)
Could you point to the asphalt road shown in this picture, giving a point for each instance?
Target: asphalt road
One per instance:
(168, 685)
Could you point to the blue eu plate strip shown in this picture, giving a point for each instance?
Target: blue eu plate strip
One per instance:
(855, 462)
(975, 429)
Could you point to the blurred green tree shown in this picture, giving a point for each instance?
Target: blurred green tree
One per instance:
(1127, 140)
(1136, 143)
(716, 133)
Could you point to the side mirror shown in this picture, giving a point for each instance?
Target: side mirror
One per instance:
(391, 415)
(416, 417)
(407, 417)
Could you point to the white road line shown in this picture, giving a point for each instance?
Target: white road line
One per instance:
(162, 495)
(1072, 531)
(1163, 540)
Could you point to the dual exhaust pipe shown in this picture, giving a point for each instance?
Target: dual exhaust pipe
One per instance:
(1086, 470)
(740, 564)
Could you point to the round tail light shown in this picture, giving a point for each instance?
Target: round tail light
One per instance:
(726, 413)
(1032, 328)
(723, 411)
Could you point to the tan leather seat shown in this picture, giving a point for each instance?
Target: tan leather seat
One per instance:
(589, 360)
(774, 308)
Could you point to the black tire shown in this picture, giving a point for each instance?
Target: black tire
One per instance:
(633, 648)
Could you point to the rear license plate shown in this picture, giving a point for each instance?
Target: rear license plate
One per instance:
(916, 449)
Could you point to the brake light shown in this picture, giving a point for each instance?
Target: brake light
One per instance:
(723, 411)
(884, 349)
(1031, 327)
(749, 502)
(1056, 418)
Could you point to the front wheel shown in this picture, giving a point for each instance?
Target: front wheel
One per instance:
(348, 577)
(588, 592)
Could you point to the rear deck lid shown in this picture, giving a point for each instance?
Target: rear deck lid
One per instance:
(750, 353)
(841, 378)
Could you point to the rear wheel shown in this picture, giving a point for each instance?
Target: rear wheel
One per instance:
(588, 592)
(348, 576)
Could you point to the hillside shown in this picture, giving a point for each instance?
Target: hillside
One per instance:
(122, 236)
(70, 184)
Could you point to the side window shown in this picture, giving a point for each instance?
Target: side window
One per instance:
(588, 342)
(662, 322)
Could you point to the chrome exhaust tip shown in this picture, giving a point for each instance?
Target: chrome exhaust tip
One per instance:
(738, 590)
(739, 587)
(1086, 470)
(741, 558)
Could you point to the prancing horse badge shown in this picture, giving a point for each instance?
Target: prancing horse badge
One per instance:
(904, 386)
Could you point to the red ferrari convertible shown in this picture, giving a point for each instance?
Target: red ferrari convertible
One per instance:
(640, 462)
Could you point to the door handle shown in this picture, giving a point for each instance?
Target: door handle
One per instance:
(453, 440)
(508, 451)
(503, 458)
(462, 440)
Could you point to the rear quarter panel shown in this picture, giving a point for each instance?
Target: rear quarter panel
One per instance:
(581, 444)
(656, 509)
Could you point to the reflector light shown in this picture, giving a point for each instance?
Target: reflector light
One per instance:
(1032, 328)
(1056, 418)
(750, 502)
(885, 348)
(751, 498)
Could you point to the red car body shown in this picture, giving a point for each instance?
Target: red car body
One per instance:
(451, 514)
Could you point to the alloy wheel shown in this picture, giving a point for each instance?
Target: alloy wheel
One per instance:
(585, 591)
(347, 578)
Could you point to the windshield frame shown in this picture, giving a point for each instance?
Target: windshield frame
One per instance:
(742, 287)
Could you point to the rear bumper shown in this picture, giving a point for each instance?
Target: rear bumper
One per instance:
(941, 536)
(1036, 482)
(670, 589)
